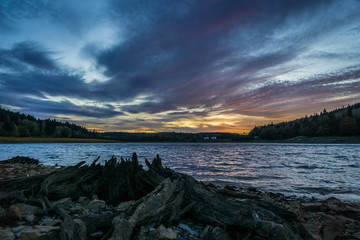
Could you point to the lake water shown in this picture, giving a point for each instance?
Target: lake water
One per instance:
(319, 170)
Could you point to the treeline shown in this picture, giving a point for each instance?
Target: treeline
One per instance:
(14, 124)
(340, 122)
(174, 137)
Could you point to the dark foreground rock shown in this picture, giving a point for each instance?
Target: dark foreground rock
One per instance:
(23, 167)
(121, 200)
(21, 159)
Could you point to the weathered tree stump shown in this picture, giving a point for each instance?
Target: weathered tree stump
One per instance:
(148, 198)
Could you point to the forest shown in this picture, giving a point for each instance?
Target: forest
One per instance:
(344, 121)
(15, 124)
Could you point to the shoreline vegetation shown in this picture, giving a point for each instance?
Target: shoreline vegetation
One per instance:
(53, 140)
(121, 200)
(300, 139)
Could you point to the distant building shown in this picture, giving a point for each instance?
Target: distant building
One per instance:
(213, 138)
(206, 138)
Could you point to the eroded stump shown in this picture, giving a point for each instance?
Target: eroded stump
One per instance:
(121, 200)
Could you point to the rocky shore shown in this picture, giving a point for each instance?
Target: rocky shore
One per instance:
(121, 200)
(23, 167)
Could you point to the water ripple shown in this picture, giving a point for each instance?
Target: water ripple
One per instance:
(320, 170)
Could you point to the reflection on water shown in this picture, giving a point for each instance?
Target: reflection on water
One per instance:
(301, 169)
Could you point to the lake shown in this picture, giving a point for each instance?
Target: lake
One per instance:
(318, 170)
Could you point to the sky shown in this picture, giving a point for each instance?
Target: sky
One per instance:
(184, 66)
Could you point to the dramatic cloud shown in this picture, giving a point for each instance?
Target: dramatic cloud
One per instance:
(179, 66)
(27, 54)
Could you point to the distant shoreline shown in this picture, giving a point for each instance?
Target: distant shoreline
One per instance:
(53, 140)
(300, 139)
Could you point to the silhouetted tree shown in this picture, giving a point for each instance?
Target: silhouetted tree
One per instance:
(340, 122)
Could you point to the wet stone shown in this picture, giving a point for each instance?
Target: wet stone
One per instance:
(19, 210)
(63, 203)
(97, 235)
(312, 206)
(83, 200)
(163, 233)
(96, 205)
(6, 234)
(29, 217)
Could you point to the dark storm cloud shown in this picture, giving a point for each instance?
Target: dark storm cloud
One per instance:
(37, 84)
(68, 108)
(177, 52)
(27, 54)
(32, 54)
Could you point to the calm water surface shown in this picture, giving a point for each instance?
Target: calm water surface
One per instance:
(320, 170)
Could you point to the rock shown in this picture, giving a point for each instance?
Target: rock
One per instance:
(97, 235)
(30, 235)
(353, 228)
(332, 228)
(22, 160)
(125, 205)
(6, 234)
(63, 203)
(334, 204)
(76, 209)
(187, 229)
(231, 188)
(40, 233)
(216, 233)
(29, 217)
(339, 207)
(313, 206)
(314, 227)
(48, 221)
(143, 233)
(32, 172)
(122, 229)
(206, 231)
(18, 230)
(83, 200)
(19, 210)
(41, 228)
(73, 229)
(95, 197)
(96, 205)
(220, 234)
(163, 233)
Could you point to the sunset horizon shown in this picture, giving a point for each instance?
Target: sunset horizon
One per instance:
(224, 66)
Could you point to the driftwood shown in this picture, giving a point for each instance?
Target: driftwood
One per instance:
(147, 199)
